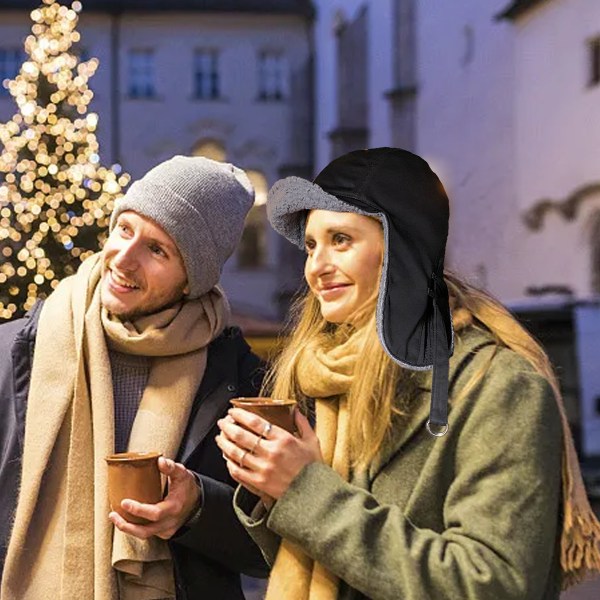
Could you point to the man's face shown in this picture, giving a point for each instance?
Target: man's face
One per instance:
(142, 269)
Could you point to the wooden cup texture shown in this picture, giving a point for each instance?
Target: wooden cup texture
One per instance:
(277, 412)
(133, 475)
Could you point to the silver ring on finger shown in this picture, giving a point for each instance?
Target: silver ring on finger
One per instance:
(256, 443)
(242, 457)
(266, 431)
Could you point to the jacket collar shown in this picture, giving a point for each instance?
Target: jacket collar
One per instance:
(405, 427)
(216, 389)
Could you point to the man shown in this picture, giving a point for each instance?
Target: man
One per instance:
(131, 353)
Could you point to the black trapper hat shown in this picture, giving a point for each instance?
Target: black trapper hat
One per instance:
(413, 314)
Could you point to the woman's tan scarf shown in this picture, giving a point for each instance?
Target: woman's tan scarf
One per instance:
(580, 538)
(326, 376)
(62, 544)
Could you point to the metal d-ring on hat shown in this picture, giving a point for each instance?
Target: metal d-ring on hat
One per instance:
(400, 189)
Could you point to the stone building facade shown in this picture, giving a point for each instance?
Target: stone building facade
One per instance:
(227, 79)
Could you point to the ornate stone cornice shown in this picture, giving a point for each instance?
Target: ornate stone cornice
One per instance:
(516, 8)
(567, 208)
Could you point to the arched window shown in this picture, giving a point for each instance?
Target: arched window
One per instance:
(210, 149)
(252, 251)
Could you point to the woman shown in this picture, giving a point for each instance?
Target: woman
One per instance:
(385, 500)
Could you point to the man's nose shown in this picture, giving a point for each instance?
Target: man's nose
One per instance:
(127, 258)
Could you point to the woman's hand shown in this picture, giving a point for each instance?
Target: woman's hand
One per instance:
(266, 458)
(168, 515)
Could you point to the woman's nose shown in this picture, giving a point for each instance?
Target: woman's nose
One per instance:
(319, 262)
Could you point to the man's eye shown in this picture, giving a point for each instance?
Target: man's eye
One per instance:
(157, 250)
(309, 245)
(124, 228)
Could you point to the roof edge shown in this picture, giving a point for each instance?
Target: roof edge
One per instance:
(306, 10)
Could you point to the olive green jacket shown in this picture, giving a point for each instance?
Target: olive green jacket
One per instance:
(473, 515)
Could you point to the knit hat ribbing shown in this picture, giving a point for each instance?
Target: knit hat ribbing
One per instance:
(201, 204)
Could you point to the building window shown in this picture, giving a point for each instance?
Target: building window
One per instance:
(594, 50)
(351, 130)
(252, 250)
(141, 74)
(206, 74)
(11, 60)
(272, 76)
(402, 97)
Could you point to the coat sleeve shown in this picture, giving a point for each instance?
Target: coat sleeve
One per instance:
(253, 516)
(16, 350)
(218, 534)
(497, 537)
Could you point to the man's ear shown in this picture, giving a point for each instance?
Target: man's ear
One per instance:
(186, 290)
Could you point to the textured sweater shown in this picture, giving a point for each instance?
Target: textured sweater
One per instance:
(129, 376)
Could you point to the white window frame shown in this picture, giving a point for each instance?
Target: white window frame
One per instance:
(141, 73)
(207, 80)
(272, 75)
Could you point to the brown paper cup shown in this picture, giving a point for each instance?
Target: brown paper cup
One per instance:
(133, 475)
(277, 412)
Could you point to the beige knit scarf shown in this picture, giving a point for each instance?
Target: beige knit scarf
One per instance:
(325, 375)
(580, 538)
(62, 544)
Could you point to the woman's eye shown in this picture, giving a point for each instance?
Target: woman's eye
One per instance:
(340, 238)
(157, 250)
(309, 245)
(124, 228)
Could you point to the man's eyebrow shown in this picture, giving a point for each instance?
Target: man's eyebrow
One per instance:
(167, 245)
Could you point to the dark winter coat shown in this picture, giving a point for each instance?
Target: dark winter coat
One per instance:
(208, 557)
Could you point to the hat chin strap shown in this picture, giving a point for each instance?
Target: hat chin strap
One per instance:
(437, 425)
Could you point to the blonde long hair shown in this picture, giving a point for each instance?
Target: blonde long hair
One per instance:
(373, 398)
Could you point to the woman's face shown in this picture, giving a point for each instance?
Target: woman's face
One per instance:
(345, 253)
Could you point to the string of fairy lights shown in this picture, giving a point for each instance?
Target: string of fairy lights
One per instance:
(55, 197)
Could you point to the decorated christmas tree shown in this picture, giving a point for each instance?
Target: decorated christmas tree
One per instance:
(55, 197)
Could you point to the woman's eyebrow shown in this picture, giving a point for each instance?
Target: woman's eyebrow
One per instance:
(339, 229)
(343, 229)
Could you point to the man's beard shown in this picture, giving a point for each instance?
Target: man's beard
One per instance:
(147, 310)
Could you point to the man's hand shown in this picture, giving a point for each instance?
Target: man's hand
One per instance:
(167, 516)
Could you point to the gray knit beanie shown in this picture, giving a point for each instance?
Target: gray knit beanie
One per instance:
(201, 204)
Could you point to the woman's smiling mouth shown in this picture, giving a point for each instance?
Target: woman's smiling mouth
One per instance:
(331, 291)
